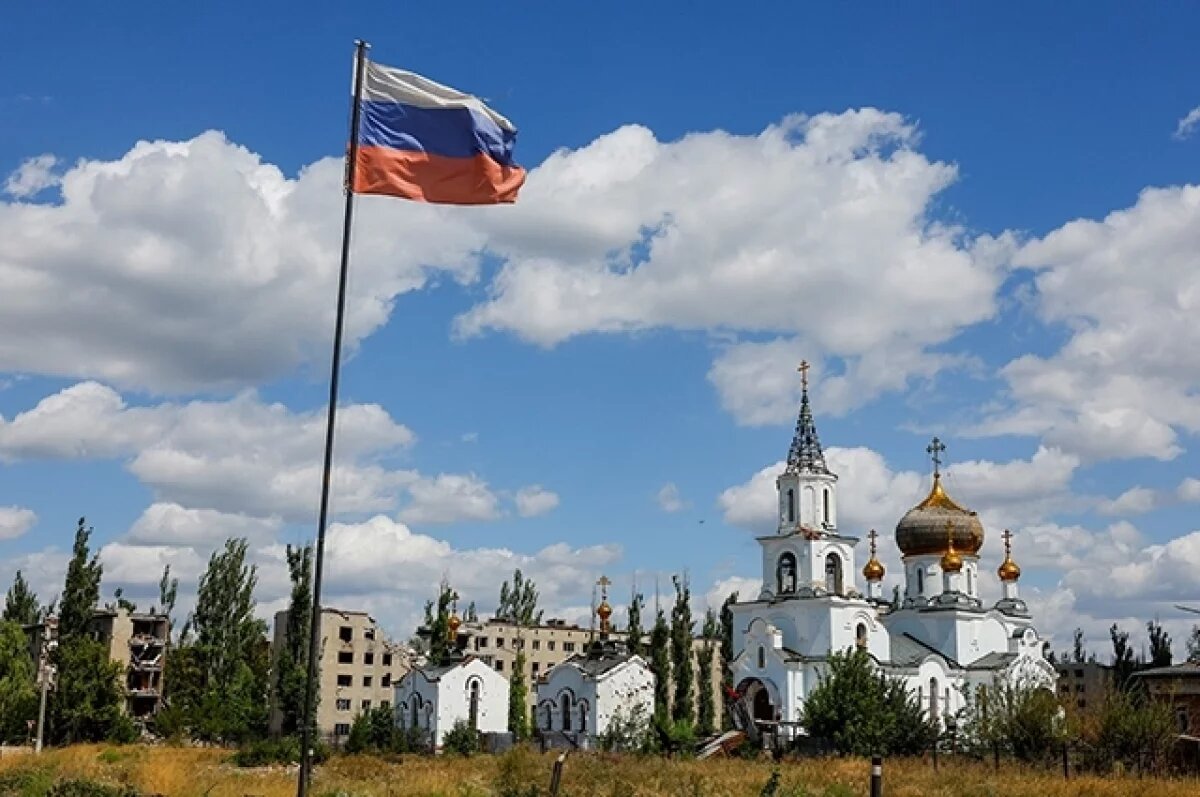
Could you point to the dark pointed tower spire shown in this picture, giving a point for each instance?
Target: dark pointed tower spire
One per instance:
(806, 455)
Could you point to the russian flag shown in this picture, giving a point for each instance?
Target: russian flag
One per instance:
(421, 140)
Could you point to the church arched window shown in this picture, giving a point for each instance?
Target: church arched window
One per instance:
(762, 657)
(825, 507)
(833, 574)
(415, 715)
(583, 716)
(786, 573)
(474, 705)
(933, 698)
(548, 717)
(970, 582)
(565, 708)
(920, 581)
(860, 636)
(791, 505)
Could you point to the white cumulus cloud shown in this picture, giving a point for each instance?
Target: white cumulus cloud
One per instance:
(669, 499)
(15, 521)
(32, 177)
(1187, 125)
(535, 500)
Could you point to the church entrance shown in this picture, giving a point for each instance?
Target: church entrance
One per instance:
(758, 699)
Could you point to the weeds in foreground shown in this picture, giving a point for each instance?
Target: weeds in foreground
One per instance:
(523, 772)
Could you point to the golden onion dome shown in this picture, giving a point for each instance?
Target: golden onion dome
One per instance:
(452, 626)
(923, 529)
(1008, 570)
(604, 611)
(951, 560)
(873, 570)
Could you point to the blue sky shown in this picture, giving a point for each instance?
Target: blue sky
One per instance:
(533, 384)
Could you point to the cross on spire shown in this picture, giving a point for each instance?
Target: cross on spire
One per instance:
(805, 453)
(935, 449)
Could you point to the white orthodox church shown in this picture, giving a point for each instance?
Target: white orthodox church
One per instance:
(581, 697)
(935, 633)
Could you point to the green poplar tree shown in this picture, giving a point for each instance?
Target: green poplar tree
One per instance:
(86, 706)
(18, 688)
(21, 604)
(634, 634)
(706, 708)
(229, 657)
(1160, 645)
(518, 605)
(660, 664)
(291, 667)
(682, 662)
(726, 632)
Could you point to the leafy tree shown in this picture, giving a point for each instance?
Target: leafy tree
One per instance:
(863, 712)
(706, 723)
(660, 663)
(518, 699)
(1078, 654)
(81, 592)
(634, 633)
(18, 687)
(519, 605)
(1160, 645)
(437, 623)
(472, 615)
(86, 706)
(291, 666)
(461, 739)
(1020, 718)
(21, 604)
(168, 591)
(1124, 663)
(1122, 728)
(727, 653)
(123, 602)
(1193, 644)
(682, 656)
(229, 659)
(519, 602)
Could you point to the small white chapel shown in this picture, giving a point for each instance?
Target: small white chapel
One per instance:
(934, 632)
(579, 698)
(462, 688)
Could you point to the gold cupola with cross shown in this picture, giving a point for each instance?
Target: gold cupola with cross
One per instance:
(923, 529)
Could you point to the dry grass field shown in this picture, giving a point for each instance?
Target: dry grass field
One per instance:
(523, 773)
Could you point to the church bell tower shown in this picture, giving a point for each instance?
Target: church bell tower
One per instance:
(807, 488)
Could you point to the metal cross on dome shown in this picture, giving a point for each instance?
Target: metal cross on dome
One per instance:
(934, 450)
(603, 583)
(803, 369)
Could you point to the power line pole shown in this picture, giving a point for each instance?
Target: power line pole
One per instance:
(46, 673)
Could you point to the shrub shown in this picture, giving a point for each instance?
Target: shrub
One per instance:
(461, 739)
(284, 750)
(627, 733)
(861, 711)
(518, 772)
(82, 787)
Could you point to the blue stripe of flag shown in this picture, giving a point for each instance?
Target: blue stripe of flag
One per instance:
(449, 132)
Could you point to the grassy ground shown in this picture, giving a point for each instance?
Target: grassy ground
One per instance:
(193, 771)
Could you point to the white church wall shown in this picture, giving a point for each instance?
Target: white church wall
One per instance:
(626, 689)
(447, 700)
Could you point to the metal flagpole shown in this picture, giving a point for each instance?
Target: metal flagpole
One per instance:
(314, 651)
